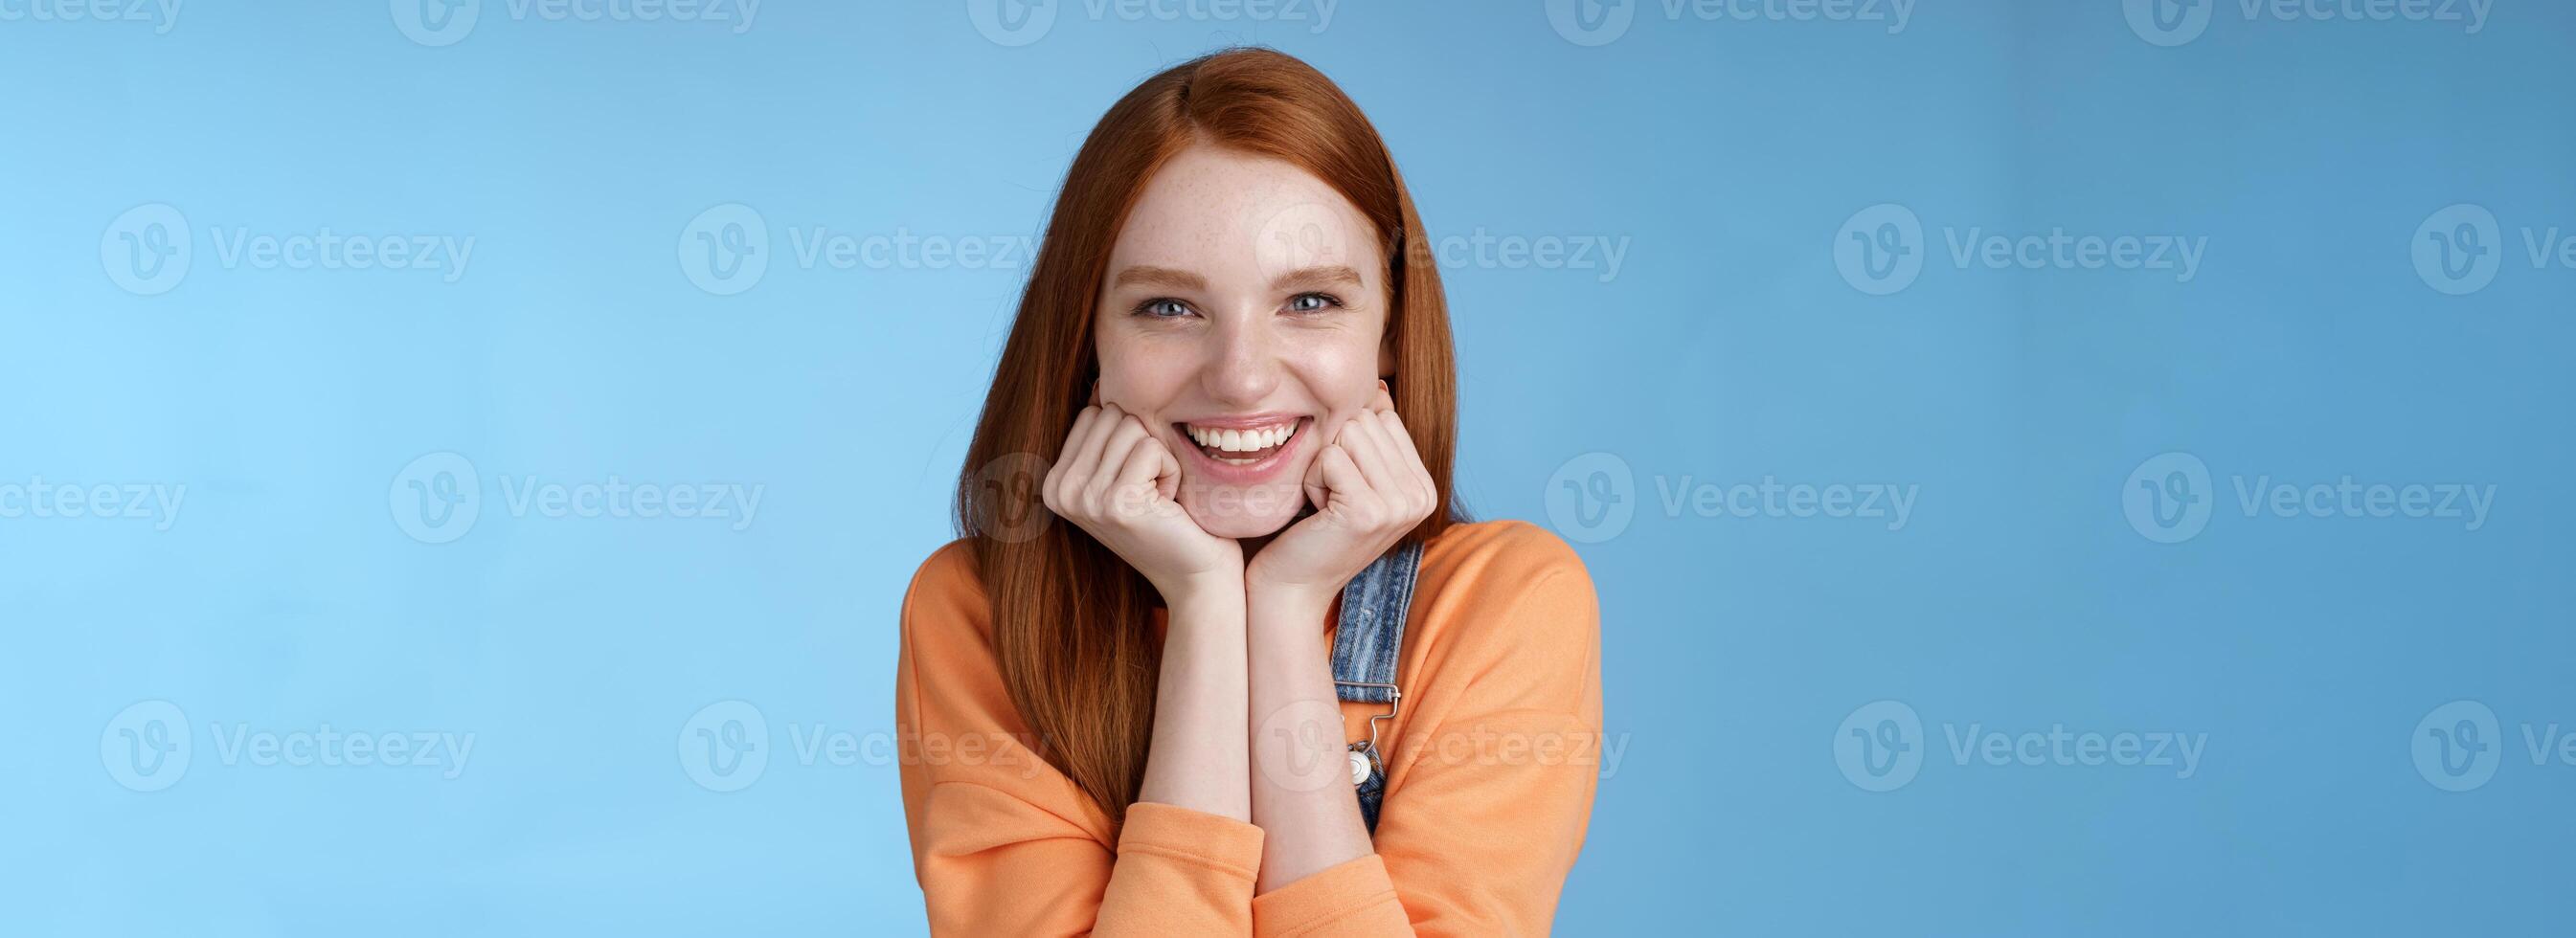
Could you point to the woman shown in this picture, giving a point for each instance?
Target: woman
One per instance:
(1266, 679)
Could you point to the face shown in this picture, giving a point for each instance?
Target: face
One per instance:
(1244, 311)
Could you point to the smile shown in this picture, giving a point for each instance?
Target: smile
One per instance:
(1242, 445)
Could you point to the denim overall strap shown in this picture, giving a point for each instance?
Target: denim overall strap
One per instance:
(1366, 643)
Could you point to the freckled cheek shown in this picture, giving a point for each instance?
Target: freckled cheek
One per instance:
(1134, 376)
(1341, 374)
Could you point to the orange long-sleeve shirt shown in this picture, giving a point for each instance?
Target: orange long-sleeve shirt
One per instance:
(1491, 768)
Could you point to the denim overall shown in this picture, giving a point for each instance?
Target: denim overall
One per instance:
(1366, 643)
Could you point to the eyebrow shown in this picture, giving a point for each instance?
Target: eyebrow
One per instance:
(1149, 275)
(1177, 279)
(1319, 276)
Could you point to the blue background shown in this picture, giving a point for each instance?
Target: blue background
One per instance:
(1727, 154)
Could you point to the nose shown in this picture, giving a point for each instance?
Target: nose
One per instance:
(1242, 364)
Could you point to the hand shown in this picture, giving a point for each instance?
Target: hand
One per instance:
(1116, 480)
(1368, 487)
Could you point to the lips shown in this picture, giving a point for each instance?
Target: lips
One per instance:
(1243, 450)
(1240, 445)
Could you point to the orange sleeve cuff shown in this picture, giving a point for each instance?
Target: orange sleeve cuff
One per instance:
(1194, 837)
(1355, 898)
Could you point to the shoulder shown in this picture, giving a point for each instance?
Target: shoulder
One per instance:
(1508, 583)
(946, 602)
(1505, 556)
(1508, 613)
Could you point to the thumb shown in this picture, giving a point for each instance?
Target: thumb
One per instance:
(1168, 480)
(1314, 481)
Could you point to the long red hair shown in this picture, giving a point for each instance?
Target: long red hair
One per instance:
(1072, 623)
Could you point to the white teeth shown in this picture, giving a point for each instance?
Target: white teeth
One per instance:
(1240, 441)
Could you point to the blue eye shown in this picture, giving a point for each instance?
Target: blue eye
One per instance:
(1163, 308)
(1313, 302)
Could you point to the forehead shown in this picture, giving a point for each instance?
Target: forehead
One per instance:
(1230, 214)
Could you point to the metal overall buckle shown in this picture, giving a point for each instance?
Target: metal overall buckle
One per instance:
(1366, 757)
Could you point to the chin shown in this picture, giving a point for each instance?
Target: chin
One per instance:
(1240, 512)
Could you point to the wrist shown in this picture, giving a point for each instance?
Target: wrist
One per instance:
(1275, 601)
(1221, 585)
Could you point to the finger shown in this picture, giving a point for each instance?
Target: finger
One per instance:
(1059, 477)
(1137, 474)
(1384, 401)
(1095, 391)
(1401, 436)
(1083, 456)
(1347, 489)
(1314, 480)
(1367, 443)
(1416, 494)
(1341, 475)
(1121, 438)
(1167, 478)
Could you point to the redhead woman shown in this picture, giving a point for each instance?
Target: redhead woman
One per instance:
(1228, 659)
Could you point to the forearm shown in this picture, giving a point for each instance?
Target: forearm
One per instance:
(1197, 758)
(1301, 791)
